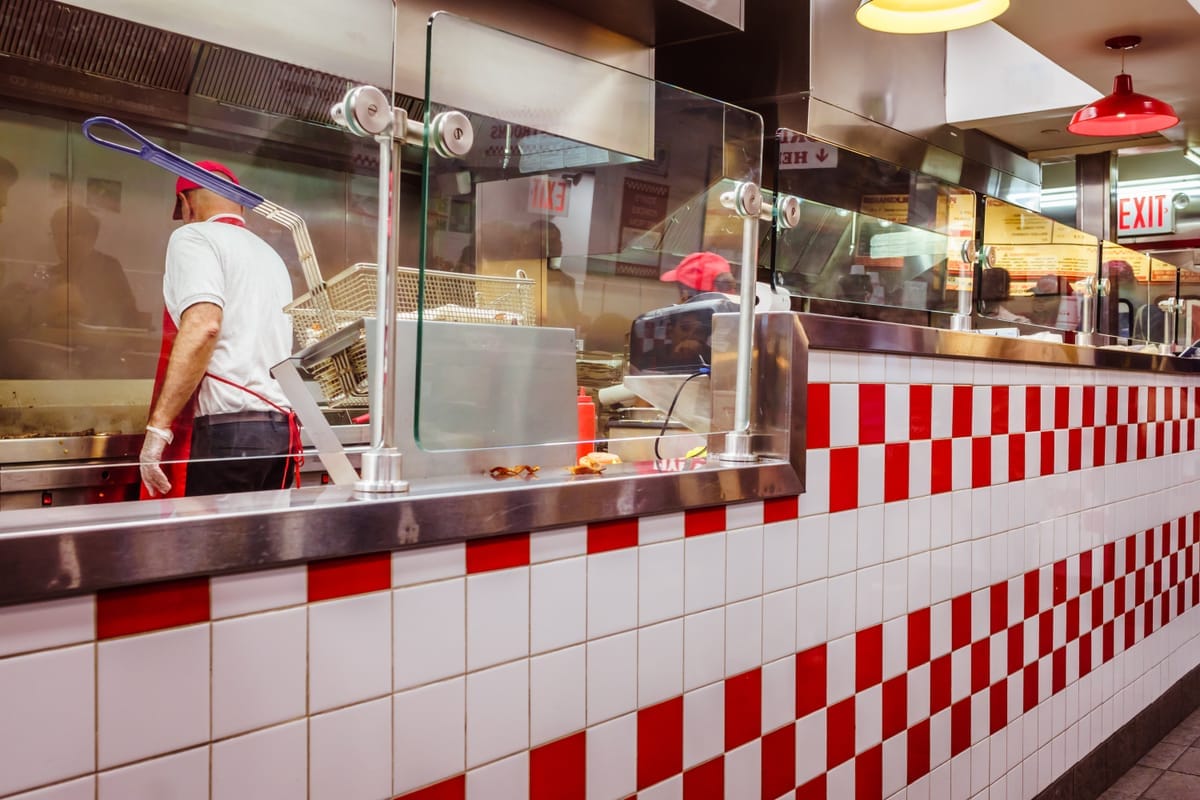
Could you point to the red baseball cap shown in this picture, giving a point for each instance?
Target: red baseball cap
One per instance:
(698, 271)
(185, 185)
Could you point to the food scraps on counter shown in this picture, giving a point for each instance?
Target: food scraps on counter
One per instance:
(520, 470)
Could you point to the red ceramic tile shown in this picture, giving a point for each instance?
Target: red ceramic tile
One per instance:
(981, 664)
(839, 743)
(456, 789)
(1085, 654)
(1142, 440)
(895, 472)
(868, 658)
(813, 790)
(1134, 412)
(780, 509)
(1075, 449)
(870, 413)
(743, 708)
(1130, 627)
(699, 521)
(1158, 578)
(918, 751)
(1032, 596)
(1085, 572)
(1119, 596)
(998, 706)
(612, 535)
(941, 478)
(1110, 406)
(1029, 680)
(1058, 670)
(918, 638)
(895, 706)
(1016, 648)
(1139, 590)
(1108, 643)
(1169, 403)
(1152, 404)
(1047, 453)
(960, 726)
(1099, 446)
(843, 479)
(818, 415)
(1121, 432)
(868, 774)
(939, 684)
(920, 411)
(981, 462)
(151, 607)
(1000, 409)
(960, 621)
(1072, 619)
(1059, 583)
(1110, 561)
(1033, 408)
(497, 552)
(1147, 619)
(1016, 457)
(999, 607)
(963, 406)
(1160, 445)
(779, 762)
(811, 677)
(558, 770)
(1062, 405)
(1045, 633)
(706, 781)
(659, 742)
(1097, 607)
(343, 577)
(1089, 406)
(1191, 433)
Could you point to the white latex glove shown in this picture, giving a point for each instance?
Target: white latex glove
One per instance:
(150, 458)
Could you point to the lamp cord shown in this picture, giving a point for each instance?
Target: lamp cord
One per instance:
(671, 409)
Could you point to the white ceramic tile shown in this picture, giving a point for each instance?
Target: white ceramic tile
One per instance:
(779, 624)
(843, 367)
(780, 544)
(939, 629)
(47, 727)
(660, 528)
(870, 536)
(919, 581)
(152, 693)
(960, 475)
(350, 752)
(428, 564)
(743, 770)
(558, 543)
(557, 694)
(743, 636)
(743, 515)
(811, 737)
(778, 693)
(743, 564)
(429, 738)
(842, 602)
(815, 499)
(843, 542)
(703, 572)
(30, 627)
(919, 525)
(703, 648)
(349, 651)
(259, 671)
(895, 588)
(872, 367)
(670, 789)
(182, 776)
(82, 789)
(843, 415)
(611, 677)
(267, 765)
(869, 602)
(812, 600)
(942, 410)
(703, 724)
(612, 759)
(896, 413)
(840, 669)
(497, 617)
(818, 366)
(812, 548)
(497, 712)
(557, 604)
(660, 662)
(252, 592)
(612, 586)
(895, 764)
(660, 582)
(429, 641)
(918, 694)
(920, 468)
(895, 647)
(870, 475)
(503, 780)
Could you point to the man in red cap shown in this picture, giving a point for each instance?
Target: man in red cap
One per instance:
(699, 273)
(223, 329)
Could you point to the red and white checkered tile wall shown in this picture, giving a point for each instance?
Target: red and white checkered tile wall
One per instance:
(994, 568)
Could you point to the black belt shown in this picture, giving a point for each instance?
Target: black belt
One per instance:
(241, 416)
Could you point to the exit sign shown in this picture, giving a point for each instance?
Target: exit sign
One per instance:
(1145, 214)
(800, 152)
(548, 195)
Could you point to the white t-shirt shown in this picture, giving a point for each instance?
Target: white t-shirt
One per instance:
(227, 265)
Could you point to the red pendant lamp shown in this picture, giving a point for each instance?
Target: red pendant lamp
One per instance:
(1124, 112)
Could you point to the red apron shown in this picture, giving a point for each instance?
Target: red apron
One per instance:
(176, 454)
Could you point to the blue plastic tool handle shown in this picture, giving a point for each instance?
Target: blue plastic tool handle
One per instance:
(149, 151)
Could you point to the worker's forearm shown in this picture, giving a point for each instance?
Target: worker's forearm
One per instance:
(188, 362)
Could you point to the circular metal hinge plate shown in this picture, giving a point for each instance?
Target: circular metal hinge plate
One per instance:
(452, 135)
(787, 211)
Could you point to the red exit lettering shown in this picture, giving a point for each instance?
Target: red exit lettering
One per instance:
(1141, 212)
(549, 196)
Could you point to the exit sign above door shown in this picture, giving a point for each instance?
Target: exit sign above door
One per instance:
(1145, 214)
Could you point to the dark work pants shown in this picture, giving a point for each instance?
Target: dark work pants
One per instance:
(247, 457)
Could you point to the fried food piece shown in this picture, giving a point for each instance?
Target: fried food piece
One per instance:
(527, 470)
(585, 469)
(599, 459)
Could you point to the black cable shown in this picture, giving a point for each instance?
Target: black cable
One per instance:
(671, 410)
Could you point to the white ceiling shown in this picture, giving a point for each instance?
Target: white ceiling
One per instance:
(1071, 33)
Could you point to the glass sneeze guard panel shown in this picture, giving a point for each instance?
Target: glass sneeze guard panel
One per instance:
(562, 222)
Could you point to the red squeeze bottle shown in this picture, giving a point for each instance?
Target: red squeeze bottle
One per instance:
(585, 415)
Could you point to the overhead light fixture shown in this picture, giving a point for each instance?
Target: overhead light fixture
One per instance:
(1192, 156)
(927, 16)
(1124, 112)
